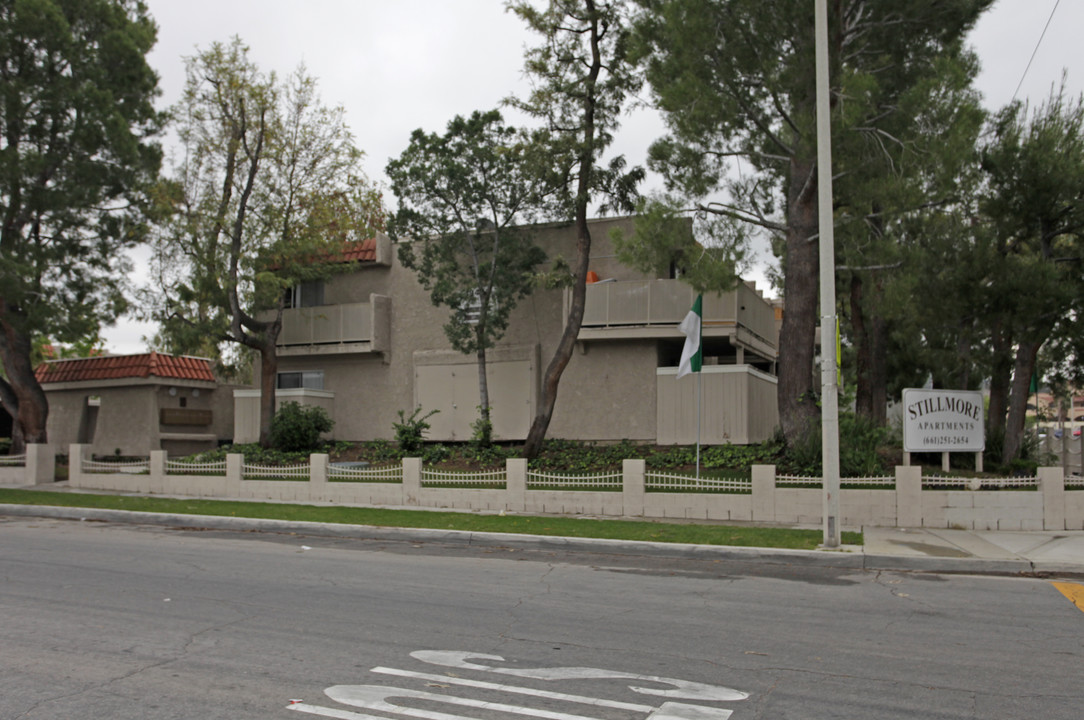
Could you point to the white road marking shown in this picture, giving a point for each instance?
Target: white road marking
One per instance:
(332, 712)
(375, 697)
(683, 689)
(582, 699)
(378, 697)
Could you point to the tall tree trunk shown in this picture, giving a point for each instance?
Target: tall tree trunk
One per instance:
(797, 398)
(31, 406)
(483, 385)
(871, 345)
(585, 170)
(1023, 369)
(863, 394)
(269, 365)
(963, 352)
(1000, 379)
(567, 343)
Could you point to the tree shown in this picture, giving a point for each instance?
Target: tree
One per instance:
(1035, 201)
(268, 189)
(582, 79)
(735, 81)
(77, 150)
(708, 259)
(461, 197)
(898, 200)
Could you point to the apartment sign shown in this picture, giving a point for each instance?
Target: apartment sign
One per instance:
(943, 421)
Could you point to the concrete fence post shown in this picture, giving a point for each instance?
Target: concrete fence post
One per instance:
(76, 453)
(909, 496)
(318, 469)
(763, 493)
(1052, 486)
(515, 487)
(40, 464)
(158, 469)
(158, 459)
(412, 480)
(633, 486)
(235, 474)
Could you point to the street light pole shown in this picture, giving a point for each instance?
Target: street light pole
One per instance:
(829, 391)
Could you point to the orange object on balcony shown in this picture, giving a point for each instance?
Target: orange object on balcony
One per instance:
(592, 276)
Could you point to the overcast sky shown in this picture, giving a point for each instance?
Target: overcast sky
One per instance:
(404, 64)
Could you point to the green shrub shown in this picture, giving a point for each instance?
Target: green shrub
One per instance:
(481, 433)
(410, 431)
(296, 428)
(859, 441)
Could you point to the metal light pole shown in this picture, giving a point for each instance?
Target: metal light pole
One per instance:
(829, 392)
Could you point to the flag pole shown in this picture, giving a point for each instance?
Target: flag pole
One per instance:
(699, 396)
(692, 356)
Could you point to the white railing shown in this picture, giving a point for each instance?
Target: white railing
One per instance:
(291, 472)
(594, 481)
(386, 474)
(940, 481)
(886, 481)
(13, 460)
(1074, 482)
(181, 467)
(797, 480)
(131, 466)
(691, 483)
(495, 478)
(326, 324)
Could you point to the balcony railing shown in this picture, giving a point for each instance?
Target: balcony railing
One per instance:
(666, 302)
(327, 325)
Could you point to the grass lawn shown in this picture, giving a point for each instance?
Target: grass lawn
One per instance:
(697, 533)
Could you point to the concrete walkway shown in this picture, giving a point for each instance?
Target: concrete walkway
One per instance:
(915, 549)
(1047, 551)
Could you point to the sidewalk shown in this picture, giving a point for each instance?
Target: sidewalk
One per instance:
(1047, 551)
(907, 549)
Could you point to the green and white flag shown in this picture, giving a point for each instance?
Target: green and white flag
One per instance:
(692, 354)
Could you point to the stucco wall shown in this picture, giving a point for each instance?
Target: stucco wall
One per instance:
(607, 391)
(128, 415)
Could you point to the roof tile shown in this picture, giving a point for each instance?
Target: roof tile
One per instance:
(115, 367)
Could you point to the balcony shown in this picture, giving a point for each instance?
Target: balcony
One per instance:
(654, 309)
(336, 329)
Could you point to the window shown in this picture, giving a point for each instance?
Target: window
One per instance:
(308, 379)
(306, 294)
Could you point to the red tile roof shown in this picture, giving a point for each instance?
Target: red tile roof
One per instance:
(351, 251)
(359, 251)
(113, 367)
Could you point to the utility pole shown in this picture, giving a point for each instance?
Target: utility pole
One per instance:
(826, 220)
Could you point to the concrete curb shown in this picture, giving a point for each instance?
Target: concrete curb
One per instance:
(806, 558)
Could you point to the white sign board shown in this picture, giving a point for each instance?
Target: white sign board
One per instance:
(943, 421)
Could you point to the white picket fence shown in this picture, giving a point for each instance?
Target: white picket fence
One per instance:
(1049, 500)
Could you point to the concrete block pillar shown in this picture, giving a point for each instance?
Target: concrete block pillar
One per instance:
(158, 466)
(1052, 486)
(909, 496)
(412, 480)
(515, 487)
(76, 454)
(235, 474)
(318, 470)
(763, 493)
(40, 463)
(633, 486)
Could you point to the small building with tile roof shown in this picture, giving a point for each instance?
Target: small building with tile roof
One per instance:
(136, 403)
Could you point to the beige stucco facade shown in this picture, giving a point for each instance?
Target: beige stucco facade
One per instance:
(609, 391)
(125, 416)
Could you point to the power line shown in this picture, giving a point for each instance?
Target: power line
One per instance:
(1036, 50)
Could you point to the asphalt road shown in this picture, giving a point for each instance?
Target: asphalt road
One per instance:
(101, 620)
